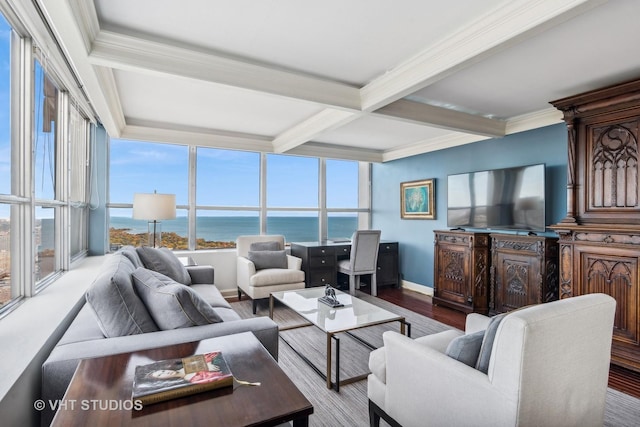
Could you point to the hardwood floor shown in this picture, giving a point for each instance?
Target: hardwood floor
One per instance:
(621, 379)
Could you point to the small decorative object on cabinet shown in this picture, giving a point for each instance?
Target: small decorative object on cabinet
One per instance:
(461, 270)
(524, 271)
(600, 236)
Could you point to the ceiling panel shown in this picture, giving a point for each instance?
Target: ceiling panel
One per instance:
(207, 105)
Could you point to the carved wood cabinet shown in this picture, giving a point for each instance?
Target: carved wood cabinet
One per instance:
(600, 237)
(524, 271)
(461, 271)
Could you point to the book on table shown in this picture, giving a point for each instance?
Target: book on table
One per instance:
(173, 378)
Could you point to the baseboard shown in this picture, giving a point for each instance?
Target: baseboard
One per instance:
(426, 290)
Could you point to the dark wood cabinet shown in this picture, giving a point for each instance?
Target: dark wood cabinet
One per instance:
(524, 271)
(600, 236)
(461, 270)
(320, 259)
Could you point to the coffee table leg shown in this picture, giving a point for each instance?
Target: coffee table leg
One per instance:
(329, 336)
(301, 422)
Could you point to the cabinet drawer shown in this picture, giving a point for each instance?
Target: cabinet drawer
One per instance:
(388, 247)
(343, 252)
(322, 261)
(322, 277)
(321, 251)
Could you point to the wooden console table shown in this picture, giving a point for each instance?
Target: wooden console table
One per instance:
(100, 391)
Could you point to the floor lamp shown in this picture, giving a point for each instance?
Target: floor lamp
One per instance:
(154, 207)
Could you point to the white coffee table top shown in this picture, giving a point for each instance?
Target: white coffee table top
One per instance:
(355, 313)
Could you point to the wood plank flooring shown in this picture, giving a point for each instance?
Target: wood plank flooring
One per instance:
(621, 379)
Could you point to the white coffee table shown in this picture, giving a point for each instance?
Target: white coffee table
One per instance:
(354, 314)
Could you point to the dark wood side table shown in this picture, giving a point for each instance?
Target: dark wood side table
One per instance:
(100, 391)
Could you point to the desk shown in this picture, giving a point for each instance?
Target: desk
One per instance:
(320, 262)
(100, 391)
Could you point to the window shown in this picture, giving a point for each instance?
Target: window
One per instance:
(223, 193)
(5, 161)
(145, 167)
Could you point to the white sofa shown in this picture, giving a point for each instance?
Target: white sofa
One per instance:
(548, 366)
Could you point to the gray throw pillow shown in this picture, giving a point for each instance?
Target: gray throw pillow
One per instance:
(466, 348)
(487, 343)
(271, 245)
(164, 261)
(268, 259)
(116, 306)
(172, 305)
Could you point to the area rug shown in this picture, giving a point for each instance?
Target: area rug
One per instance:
(350, 406)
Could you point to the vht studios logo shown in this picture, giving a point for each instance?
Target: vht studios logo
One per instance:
(88, 405)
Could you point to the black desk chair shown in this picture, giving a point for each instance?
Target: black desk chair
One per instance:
(363, 259)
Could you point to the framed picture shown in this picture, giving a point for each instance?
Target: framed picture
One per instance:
(417, 199)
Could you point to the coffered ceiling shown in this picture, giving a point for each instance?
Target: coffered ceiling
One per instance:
(371, 80)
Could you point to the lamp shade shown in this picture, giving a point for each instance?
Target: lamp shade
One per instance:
(154, 206)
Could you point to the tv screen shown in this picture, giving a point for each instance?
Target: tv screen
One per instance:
(507, 199)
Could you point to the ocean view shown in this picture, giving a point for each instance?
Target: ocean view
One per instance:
(226, 229)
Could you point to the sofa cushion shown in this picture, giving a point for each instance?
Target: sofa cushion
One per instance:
(212, 295)
(268, 259)
(487, 343)
(131, 254)
(164, 261)
(117, 308)
(270, 245)
(466, 348)
(172, 305)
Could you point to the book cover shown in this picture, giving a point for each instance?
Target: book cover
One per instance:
(172, 378)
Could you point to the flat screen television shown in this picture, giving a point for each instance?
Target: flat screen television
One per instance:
(501, 199)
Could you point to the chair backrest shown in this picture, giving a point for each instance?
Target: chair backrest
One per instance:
(243, 243)
(364, 251)
(553, 360)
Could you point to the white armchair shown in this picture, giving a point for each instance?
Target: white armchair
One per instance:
(258, 283)
(548, 365)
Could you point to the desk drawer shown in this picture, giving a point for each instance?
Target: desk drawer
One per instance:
(388, 247)
(322, 277)
(322, 261)
(321, 251)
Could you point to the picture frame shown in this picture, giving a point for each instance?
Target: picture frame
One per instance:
(417, 199)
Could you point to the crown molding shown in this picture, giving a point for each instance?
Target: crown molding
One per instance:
(537, 119)
(341, 152)
(434, 144)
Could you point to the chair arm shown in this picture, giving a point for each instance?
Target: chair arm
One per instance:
(422, 381)
(476, 322)
(244, 270)
(293, 262)
(201, 274)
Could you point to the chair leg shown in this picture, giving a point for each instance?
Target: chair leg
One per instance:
(374, 285)
(374, 417)
(239, 295)
(255, 305)
(352, 284)
(357, 282)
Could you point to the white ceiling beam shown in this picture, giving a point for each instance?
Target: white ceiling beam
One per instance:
(130, 53)
(311, 128)
(444, 118)
(505, 26)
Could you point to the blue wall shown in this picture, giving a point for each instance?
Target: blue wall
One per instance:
(545, 145)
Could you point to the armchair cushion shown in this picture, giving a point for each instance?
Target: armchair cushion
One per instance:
(268, 259)
(172, 305)
(466, 348)
(271, 245)
(164, 261)
(276, 276)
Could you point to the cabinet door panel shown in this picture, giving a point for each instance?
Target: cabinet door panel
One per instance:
(453, 274)
(615, 275)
